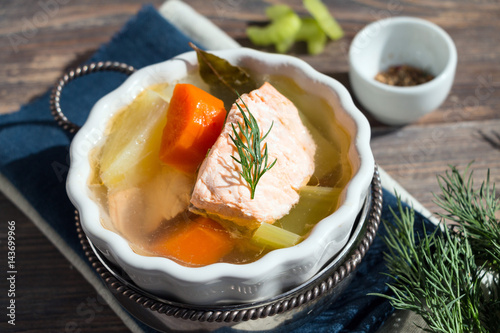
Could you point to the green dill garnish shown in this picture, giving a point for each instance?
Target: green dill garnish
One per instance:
(474, 213)
(248, 142)
(441, 276)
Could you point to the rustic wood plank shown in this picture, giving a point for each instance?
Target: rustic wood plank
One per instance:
(415, 155)
(50, 294)
(39, 45)
(63, 41)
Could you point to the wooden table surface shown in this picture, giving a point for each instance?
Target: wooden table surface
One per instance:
(40, 39)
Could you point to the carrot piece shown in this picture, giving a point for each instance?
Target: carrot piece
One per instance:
(194, 121)
(197, 243)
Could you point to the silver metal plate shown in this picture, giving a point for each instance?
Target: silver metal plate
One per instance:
(281, 313)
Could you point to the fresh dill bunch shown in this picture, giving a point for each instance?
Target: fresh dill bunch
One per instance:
(473, 212)
(253, 153)
(441, 275)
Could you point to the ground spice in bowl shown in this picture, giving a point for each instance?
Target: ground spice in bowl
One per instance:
(404, 76)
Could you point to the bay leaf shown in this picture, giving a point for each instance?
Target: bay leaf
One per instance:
(226, 81)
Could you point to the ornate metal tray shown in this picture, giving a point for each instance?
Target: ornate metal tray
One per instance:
(281, 313)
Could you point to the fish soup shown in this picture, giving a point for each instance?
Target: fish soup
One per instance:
(149, 203)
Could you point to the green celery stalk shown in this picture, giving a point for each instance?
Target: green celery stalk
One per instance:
(327, 157)
(276, 12)
(326, 21)
(275, 237)
(315, 203)
(311, 33)
(280, 32)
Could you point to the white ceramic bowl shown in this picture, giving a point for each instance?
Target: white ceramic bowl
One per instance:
(401, 41)
(222, 282)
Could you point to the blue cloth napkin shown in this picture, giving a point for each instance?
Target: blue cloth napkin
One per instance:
(34, 158)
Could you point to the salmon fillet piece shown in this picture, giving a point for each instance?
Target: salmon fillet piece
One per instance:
(220, 191)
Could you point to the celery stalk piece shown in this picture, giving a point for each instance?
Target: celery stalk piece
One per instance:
(311, 33)
(328, 148)
(315, 204)
(275, 237)
(280, 32)
(276, 12)
(326, 21)
(328, 154)
(284, 46)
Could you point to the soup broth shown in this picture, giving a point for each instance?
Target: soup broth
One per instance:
(162, 192)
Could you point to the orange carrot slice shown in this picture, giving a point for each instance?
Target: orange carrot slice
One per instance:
(194, 121)
(197, 243)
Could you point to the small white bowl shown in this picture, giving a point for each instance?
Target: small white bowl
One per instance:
(219, 283)
(401, 41)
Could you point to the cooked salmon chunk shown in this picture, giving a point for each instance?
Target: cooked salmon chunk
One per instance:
(220, 191)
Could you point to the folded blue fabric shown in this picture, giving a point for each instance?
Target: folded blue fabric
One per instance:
(34, 158)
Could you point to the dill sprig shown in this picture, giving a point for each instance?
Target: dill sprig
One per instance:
(474, 213)
(253, 153)
(441, 276)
